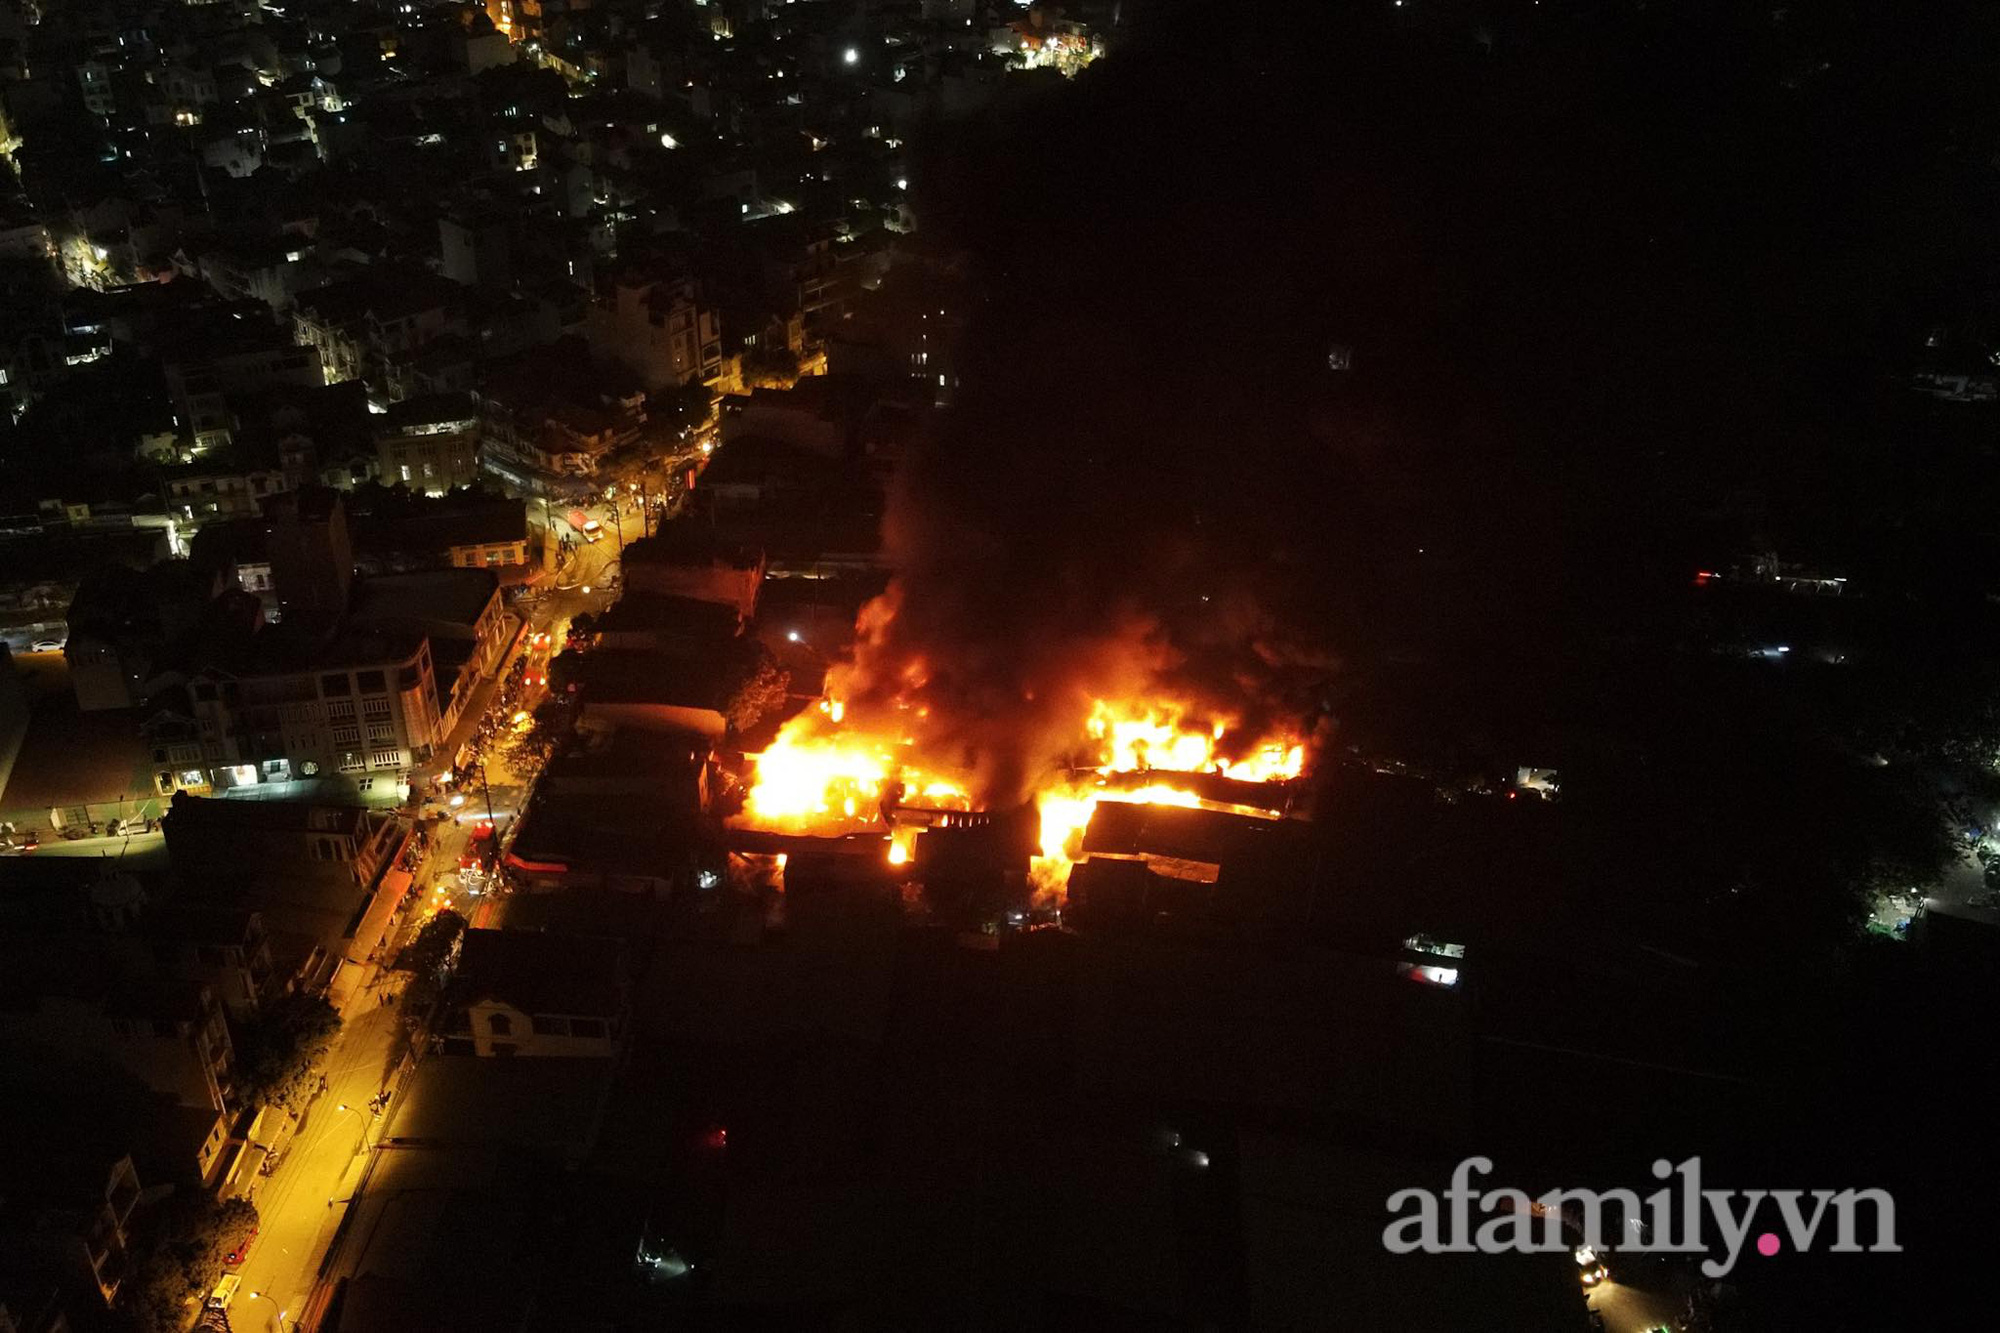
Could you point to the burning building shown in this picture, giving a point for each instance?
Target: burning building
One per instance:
(937, 818)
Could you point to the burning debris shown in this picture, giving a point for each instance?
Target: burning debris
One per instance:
(830, 774)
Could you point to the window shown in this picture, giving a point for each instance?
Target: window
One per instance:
(386, 758)
(500, 1025)
(350, 762)
(550, 1027)
(334, 686)
(586, 1027)
(346, 735)
(372, 682)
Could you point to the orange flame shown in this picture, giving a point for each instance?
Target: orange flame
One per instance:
(825, 774)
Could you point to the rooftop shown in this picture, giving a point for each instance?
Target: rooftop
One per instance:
(640, 612)
(189, 813)
(449, 596)
(685, 543)
(545, 974)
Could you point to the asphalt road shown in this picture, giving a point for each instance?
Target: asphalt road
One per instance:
(299, 1203)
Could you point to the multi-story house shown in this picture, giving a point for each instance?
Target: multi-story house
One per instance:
(361, 324)
(534, 993)
(537, 432)
(67, 1217)
(170, 1035)
(269, 837)
(226, 949)
(660, 331)
(430, 444)
(363, 707)
(201, 378)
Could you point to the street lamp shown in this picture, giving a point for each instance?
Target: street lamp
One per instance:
(260, 1296)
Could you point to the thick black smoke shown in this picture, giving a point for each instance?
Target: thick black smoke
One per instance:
(1554, 276)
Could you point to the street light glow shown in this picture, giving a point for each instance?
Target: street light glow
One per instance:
(853, 57)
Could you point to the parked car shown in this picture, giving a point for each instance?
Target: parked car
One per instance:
(235, 1258)
(47, 645)
(225, 1291)
(593, 531)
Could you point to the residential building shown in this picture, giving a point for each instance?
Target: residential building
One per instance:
(170, 1035)
(202, 375)
(361, 706)
(623, 813)
(430, 443)
(683, 560)
(124, 628)
(458, 612)
(464, 530)
(661, 331)
(477, 247)
(360, 323)
(67, 1215)
(550, 418)
(311, 553)
(532, 993)
(271, 837)
(226, 949)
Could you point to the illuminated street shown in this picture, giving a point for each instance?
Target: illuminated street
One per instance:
(297, 1202)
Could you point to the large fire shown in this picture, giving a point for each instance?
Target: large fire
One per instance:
(826, 774)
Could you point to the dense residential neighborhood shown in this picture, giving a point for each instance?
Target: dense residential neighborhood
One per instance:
(931, 664)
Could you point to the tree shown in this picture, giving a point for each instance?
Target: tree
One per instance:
(771, 368)
(192, 1234)
(762, 691)
(429, 957)
(435, 947)
(279, 1052)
